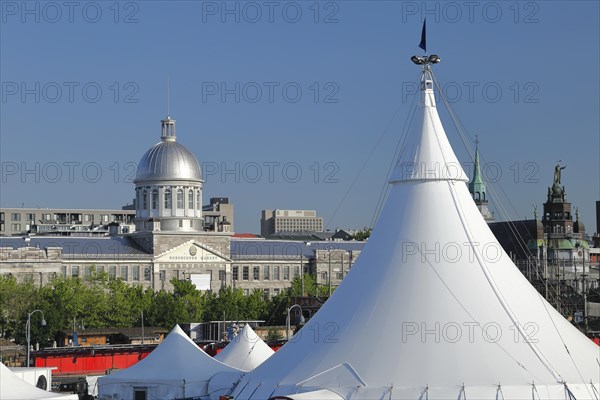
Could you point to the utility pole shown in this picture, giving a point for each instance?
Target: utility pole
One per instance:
(329, 274)
(142, 326)
(584, 282)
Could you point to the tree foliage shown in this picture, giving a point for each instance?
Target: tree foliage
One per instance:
(362, 234)
(99, 302)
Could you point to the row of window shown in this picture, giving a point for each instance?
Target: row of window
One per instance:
(338, 276)
(266, 292)
(150, 198)
(62, 218)
(559, 229)
(123, 272)
(274, 273)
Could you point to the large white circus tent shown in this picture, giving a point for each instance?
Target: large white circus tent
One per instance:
(177, 368)
(246, 351)
(433, 308)
(14, 388)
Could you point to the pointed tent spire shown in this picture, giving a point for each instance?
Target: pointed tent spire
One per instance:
(427, 154)
(246, 351)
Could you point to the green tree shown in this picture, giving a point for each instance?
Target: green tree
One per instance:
(273, 335)
(363, 234)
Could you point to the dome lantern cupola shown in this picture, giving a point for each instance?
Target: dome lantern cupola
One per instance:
(168, 129)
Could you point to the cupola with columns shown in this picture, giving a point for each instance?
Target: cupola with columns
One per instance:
(168, 186)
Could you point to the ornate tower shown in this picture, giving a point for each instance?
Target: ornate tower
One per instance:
(477, 188)
(168, 187)
(557, 216)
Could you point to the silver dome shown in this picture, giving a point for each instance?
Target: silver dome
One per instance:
(168, 160)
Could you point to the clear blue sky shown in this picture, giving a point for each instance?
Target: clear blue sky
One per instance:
(524, 76)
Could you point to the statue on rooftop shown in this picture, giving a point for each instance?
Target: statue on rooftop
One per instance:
(557, 173)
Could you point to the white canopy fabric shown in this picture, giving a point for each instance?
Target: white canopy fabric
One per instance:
(177, 368)
(246, 351)
(14, 388)
(433, 308)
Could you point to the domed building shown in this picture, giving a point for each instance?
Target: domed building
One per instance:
(168, 186)
(169, 220)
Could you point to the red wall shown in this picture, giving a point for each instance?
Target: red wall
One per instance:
(87, 363)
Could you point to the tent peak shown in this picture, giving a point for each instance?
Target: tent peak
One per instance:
(426, 154)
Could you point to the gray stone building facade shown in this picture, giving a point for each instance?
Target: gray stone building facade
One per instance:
(169, 238)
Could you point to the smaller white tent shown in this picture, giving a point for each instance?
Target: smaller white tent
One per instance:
(246, 351)
(14, 388)
(177, 368)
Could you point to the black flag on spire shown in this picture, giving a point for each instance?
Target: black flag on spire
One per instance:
(423, 43)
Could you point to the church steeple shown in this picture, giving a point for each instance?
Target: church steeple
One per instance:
(477, 187)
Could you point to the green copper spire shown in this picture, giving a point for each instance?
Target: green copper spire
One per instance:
(476, 186)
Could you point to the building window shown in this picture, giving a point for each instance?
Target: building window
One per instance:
(324, 276)
(180, 199)
(112, 272)
(338, 275)
(16, 227)
(63, 270)
(15, 217)
(234, 273)
(162, 275)
(266, 293)
(87, 272)
(75, 271)
(256, 273)
(276, 273)
(222, 276)
(144, 200)
(181, 223)
(155, 199)
(167, 203)
(135, 273)
(198, 205)
(124, 272)
(147, 273)
(245, 273)
(99, 269)
(276, 292)
(191, 199)
(266, 273)
(296, 271)
(30, 217)
(1, 226)
(1, 217)
(286, 273)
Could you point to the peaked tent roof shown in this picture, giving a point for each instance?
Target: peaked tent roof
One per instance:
(246, 351)
(433, 307)
(176, 360)
(14, 388)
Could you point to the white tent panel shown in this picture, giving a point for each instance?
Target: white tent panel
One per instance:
(14, 388)
(316, 395)
(246, 351)
(176, 368)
